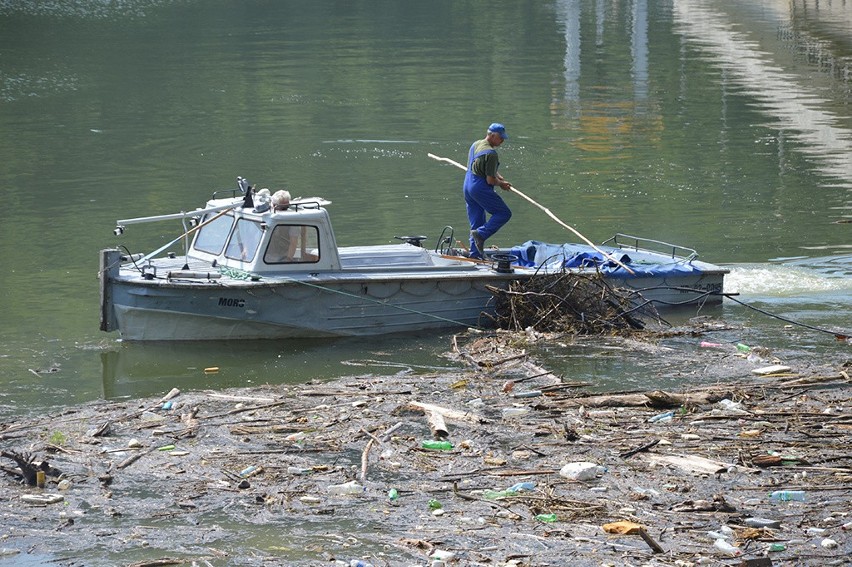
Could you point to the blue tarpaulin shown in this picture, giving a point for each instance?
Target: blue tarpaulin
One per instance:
(534, 254)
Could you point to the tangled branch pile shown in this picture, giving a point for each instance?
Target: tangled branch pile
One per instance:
(569, 303)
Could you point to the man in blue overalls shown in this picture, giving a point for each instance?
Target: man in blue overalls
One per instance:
(479, 194)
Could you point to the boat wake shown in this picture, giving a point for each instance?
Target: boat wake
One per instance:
(792, 277)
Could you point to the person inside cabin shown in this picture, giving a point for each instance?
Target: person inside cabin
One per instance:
(479, 195)
(281, 200)
(288, 243)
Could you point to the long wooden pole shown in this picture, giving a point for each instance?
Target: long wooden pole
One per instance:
(546, 210)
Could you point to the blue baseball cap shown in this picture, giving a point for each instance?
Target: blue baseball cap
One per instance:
(499, 129)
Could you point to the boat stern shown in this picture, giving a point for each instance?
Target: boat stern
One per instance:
(110, 263)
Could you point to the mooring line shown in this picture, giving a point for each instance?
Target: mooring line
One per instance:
(839, 336)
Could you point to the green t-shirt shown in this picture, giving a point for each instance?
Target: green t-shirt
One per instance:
(484, 165)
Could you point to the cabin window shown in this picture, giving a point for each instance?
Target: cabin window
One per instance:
(293, 244)
(244, 241)
(211, 237)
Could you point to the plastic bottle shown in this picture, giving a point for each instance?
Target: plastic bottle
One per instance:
(762, 523)
(529, 394)
(248, 471)
(437, 445)
(743, 348)
(522, 486)
(498, 494)
(777, 547)
(441, 555)
(511, 413)
(581, 470)
(662, 417)
(351, 487)
(787, 495)
(727, 548)
(727, 404)
(546, 518)
(646, 491)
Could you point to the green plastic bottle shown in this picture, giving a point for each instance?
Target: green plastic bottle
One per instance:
(437, 445)
(498, 494)
(546, 518)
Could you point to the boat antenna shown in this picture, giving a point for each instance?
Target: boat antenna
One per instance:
(245, 188)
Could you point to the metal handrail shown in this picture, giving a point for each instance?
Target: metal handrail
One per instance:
(181, 215)
(613, 241)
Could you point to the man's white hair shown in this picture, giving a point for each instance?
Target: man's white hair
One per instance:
(280, 198)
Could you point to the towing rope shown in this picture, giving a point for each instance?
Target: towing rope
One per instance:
(839, 336)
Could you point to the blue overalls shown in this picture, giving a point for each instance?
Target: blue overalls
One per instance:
(481, 198)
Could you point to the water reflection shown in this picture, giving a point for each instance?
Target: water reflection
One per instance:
(830, 18)
(568, 16)
(152, 369)
(98, 10)
(639, 49)
(798, 111)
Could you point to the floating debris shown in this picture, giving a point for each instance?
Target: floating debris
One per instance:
(594, 477)
(583, 304)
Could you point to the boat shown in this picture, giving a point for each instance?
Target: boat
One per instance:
(247, 271)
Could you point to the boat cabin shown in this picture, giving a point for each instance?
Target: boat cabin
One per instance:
(263, 241)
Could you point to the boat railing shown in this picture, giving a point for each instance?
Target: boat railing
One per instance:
(637, 243)
(226, 194)
(310, 203)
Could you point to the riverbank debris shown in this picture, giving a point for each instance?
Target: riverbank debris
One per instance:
(304, 461)
(583, 304)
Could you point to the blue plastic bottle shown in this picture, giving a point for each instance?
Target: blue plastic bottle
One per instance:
(788, 495)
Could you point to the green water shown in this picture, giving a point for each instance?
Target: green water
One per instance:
(714, 124)
(720, 125)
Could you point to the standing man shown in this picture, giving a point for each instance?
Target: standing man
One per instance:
(479, 194)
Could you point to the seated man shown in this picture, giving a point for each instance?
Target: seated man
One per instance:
(289, 243)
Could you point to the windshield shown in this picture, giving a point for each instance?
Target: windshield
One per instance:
(244, 241)
(211, 237)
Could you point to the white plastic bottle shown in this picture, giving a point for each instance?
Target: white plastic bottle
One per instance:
(582, 470)
(513, 413)
(347, 488)
(727, 548)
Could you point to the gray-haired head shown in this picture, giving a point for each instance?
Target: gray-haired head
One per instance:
(281, 200)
